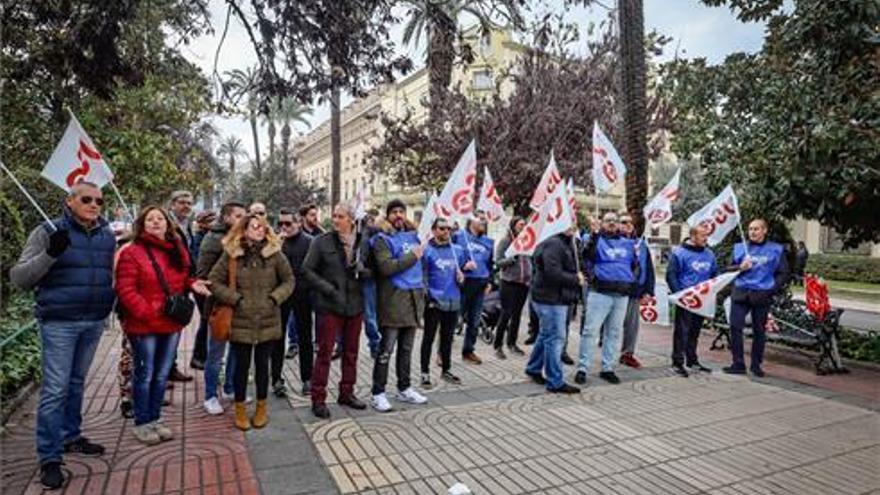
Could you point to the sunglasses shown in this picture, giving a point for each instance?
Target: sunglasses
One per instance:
(260, 213)
(87, 200)
(285, 224)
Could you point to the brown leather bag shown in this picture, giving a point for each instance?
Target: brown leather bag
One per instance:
(220, 321)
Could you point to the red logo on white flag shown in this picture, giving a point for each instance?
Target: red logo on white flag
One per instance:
(608, 168)
(76, 159)
(490, 200)
(719, 216)
(700, 298)
(547, 185)
(456, 199)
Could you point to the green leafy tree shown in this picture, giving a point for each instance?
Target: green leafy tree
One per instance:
(794, 126)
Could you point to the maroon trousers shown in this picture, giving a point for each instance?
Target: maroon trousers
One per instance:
(328, 327)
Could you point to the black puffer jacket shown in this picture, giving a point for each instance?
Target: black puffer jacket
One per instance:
(554, 277)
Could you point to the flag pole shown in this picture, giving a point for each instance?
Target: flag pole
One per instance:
(119, 197)
(743, 236)
(28, 195)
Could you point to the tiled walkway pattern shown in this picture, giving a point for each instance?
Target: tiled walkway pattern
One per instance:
(655, 433)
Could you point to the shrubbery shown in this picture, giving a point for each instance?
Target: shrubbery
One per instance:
(845, 267)
(20, 357)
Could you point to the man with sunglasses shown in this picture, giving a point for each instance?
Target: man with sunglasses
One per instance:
(298, 305)
(257, 208)
(615, 267)
(643, 289)
(181, 205)
(70, 263)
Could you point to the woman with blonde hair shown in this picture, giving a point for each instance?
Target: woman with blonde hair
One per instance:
(263, 280)
(153, 283)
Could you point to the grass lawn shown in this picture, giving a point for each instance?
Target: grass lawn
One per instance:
(858, 291)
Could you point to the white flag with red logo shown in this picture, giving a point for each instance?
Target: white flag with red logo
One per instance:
(655, 309)
(490, 200)
(456, 201)
(553, 218)
(549, 181)
(608, 168)
(659, 210)
(700, 298)
(572, 202)
(359, 204)
(428, 216)
(76, 159)
(719, 216)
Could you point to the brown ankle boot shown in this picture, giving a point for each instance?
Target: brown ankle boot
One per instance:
(241, 420)
(261, 416)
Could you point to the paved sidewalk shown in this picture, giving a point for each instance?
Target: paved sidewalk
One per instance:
(655, 433)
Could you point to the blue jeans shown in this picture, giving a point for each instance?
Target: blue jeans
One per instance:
(68, 350)
(153, 357)
(472, 295)
(608, 310)
(547, 351)
(371, 325)
(216, 350)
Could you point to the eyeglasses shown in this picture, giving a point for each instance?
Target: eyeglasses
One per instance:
(625, 222)
(285, 224)
(184, 202)
(260, 213)
(87, 200)
(609, 220)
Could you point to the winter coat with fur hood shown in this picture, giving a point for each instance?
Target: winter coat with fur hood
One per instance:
(397, 308)
(263, 281)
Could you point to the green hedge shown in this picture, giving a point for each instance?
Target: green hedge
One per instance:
(860, 346)
(19, 358)
(845, 267)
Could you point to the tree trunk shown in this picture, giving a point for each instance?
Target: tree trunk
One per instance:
(335, 147)
(635, 139)
(258, 167)
(272, 143)
(441, 57)
(285, 151)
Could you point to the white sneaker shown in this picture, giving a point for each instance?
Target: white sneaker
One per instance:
(380, 403)
(163, 431)
(411, 396)
(213, 406)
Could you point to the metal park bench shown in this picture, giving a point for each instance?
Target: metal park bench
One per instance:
(797, 327)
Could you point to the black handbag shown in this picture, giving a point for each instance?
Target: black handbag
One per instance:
(178, 307)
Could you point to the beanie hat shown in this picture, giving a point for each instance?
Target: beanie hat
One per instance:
(394, 203)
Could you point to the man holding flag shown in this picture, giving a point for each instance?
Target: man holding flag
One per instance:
(70, 263)
(615, 266)
(689, 264)
(764, 272)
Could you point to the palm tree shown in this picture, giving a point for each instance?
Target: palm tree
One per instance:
(438, 20)
(232, 149)
(289, 111)
(335, 145)
(269, 120)
(242, 84)
(631, 18)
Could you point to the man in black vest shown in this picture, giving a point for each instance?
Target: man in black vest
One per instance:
(70, 263)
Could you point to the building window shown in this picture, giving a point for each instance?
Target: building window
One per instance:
(485, 44)
(482, 79)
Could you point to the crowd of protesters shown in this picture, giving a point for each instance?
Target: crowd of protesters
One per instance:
(292, 290)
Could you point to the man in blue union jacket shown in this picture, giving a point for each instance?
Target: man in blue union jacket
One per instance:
(689, 264)
(70, 264)
(764, 272)
(478, 249)
(442, 264)
(615, 273)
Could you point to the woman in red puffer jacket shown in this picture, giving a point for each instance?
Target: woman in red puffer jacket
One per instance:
(152, 334)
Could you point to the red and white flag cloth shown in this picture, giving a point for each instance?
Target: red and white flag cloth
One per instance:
(76, 159)
(719, 216)
(659, 210)
(608, 168)
(456, 201)
(553, 217)
(655, 309)
(359, 204)
(547, 185)
(572, 202)
(490, 200)
(428, 216)
(700, 298)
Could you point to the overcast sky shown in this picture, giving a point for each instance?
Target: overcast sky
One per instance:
(697, 30)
